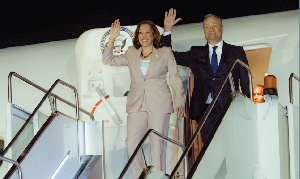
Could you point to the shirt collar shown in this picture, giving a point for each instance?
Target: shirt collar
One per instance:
(220, 45)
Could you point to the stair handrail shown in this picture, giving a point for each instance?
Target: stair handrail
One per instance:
(15, 163)
(37, 108)
(291, 85)
(140, 146)
(45, 91)
(216, 96)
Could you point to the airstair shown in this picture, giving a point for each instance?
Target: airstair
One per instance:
(48, 142)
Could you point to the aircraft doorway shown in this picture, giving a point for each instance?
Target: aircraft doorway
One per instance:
(258, 56)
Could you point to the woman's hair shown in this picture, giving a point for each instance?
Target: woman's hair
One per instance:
(156, 35)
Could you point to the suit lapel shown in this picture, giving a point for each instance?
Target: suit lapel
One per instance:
(153, 60)
(136, 61)
(203, 54)
(206, 59)
(224, 61)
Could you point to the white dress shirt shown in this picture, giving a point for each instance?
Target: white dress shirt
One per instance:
(219, 53)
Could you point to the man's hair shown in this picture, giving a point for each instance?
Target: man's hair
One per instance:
(212, 15)
(156, 34)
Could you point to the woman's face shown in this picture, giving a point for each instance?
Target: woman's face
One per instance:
(145, 35)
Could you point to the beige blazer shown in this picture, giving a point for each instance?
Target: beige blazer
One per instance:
(153, 87)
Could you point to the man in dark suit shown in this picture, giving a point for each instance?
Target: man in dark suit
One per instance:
(209, 64)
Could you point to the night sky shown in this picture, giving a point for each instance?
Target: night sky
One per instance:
(28, 22)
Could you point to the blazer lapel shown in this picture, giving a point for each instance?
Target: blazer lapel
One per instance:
(206, 59)
(201, 54)
(224, 61)
(153, 60)
(136, 61)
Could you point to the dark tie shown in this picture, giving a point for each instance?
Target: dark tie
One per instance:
(214, 64)
(214, 60)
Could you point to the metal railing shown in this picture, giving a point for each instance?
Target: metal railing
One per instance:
(291, 85)
(13, 162)
(45, 91)
(216, 96)
(140, 146)
(48, 94)
(52, 97)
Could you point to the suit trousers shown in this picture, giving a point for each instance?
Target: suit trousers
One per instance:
(137, 125)
(209, 123)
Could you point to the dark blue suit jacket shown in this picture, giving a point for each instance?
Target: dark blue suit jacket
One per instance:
(197, 59)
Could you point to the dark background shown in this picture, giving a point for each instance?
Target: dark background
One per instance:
(27, 22)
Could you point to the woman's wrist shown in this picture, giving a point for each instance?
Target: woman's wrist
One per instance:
(111, 40)
(110, 43)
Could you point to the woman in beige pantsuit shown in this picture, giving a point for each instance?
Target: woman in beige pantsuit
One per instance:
(149, 102)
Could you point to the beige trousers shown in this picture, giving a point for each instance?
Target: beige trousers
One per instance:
(137, 125)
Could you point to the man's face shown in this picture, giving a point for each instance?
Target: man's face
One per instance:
(213, 30)
(258, 92)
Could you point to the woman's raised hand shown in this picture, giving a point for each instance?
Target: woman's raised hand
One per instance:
(115, 30)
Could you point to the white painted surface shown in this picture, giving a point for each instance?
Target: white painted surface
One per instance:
(268, 140)
(293, 119)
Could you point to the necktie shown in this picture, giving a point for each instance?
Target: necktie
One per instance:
(214, 60)
(214, 64)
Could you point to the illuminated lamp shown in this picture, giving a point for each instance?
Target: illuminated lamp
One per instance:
(270, 85)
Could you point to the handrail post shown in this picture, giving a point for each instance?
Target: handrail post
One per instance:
(250, 82)
(15, 163)
(76, 96)
(291, 85)
(9, 88)
(144, 159)
(51, 103)
(231, 82)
